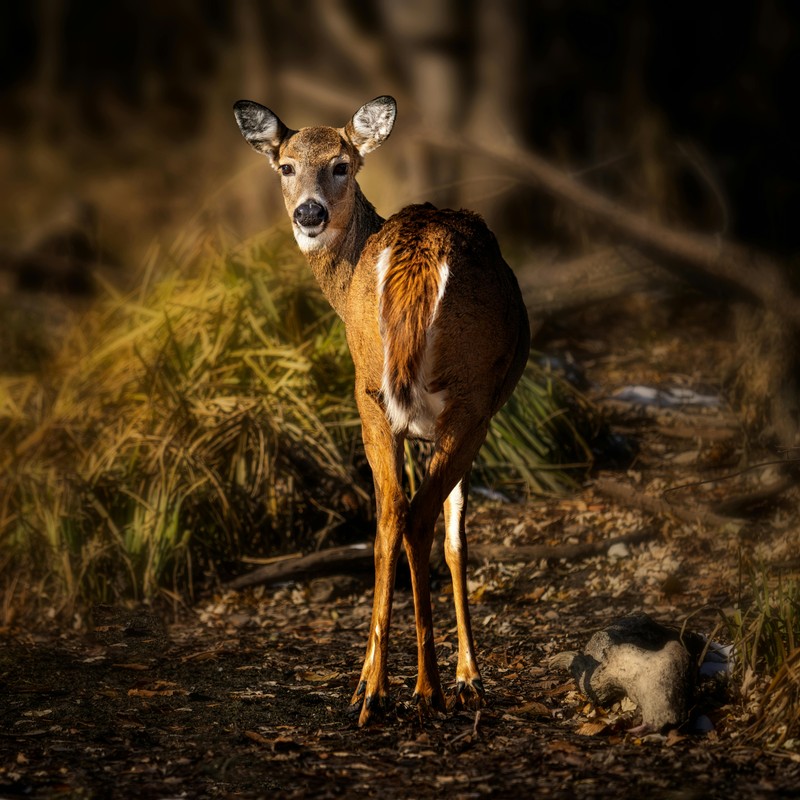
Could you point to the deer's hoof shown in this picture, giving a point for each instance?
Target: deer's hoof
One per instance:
(467, 694)
(373, 708)
(429, 704)
(358, 696)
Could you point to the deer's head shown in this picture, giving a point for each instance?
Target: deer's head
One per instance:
(317, 165)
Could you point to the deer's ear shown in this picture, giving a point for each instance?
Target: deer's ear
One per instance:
(262, 129)
(371, 124)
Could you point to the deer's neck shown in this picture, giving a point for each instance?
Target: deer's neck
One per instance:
(333, 266)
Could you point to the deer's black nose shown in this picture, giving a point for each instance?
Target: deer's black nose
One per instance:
(310, 214)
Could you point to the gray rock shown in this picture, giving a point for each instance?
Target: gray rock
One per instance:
(639, 658)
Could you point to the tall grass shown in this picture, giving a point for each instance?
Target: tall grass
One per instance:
(207, 415)
(765, 629)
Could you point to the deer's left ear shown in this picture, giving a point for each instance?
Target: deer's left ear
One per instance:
(261, 127)
(371, 124)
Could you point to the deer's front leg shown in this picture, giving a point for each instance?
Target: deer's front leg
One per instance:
(385, 455)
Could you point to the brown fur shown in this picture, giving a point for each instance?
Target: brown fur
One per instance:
(481, 348)
(409, 291)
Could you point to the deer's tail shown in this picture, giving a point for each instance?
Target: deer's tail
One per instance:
(412, 277)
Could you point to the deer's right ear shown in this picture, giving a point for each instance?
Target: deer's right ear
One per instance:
(262, 129)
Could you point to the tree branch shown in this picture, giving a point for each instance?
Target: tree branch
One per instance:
(747, 269)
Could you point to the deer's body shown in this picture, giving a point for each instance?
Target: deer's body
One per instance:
(439, 337)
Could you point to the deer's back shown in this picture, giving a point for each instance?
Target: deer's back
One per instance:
(413, 244)
(446, 318)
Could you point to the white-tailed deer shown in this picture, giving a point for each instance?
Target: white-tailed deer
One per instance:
(439, 337)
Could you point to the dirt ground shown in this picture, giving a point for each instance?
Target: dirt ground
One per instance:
(246, 695)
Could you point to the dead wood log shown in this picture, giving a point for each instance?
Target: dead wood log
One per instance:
(710, 430)
(480, 553)
(359, 558)
(657, 506)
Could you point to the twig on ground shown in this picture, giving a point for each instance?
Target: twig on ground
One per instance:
(660, 507)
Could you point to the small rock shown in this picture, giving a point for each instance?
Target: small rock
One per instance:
(619, 550)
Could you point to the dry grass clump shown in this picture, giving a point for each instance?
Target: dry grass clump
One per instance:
(777, 724)
(766, 638)
(192, 422)
(207, 416)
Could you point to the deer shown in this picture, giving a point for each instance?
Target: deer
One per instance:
(439, 337)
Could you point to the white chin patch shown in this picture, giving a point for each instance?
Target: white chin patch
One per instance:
(311, 239)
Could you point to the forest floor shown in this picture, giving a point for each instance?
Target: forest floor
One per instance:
(246, 695)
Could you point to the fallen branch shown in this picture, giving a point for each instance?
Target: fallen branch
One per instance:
(749, 270)
(334, 560)
(633, 498)
(759, 497)
(748, 500)
(359, 558)
(480, 553)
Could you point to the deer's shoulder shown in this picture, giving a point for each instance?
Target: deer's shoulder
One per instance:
(444, 230)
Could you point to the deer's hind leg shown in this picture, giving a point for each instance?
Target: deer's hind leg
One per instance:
(450, 463)
(469, 689)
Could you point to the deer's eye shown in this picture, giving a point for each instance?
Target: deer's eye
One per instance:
(340, 168)
(286, 169)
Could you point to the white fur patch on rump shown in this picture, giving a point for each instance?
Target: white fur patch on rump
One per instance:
(381, 266)
(419, 419)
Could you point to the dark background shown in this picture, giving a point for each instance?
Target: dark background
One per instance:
(685, 111)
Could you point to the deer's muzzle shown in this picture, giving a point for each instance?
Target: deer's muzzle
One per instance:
(311, 215)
